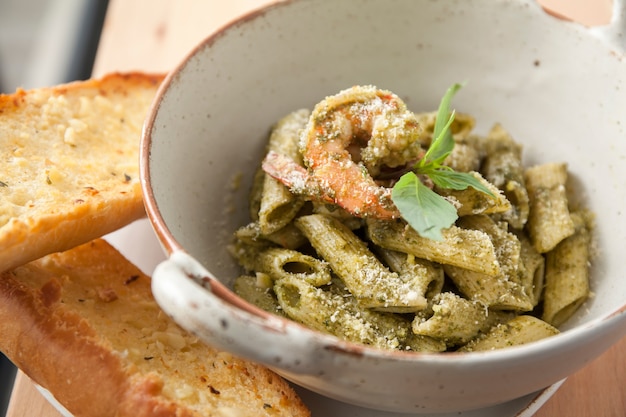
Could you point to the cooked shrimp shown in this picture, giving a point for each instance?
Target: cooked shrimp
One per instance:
(364, 118)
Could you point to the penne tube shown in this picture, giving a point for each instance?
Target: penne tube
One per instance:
(335, 312)
(419, 343)
(496, 292)
(531, 270)
(288, 237)
(509, 246)
(279, 263)
(339, 213)
(285, 136)
(502, 166)
(549, 220)
(466, 155)
(470, 249)
(369, 281)
(567, 275)
(423, 276)
(518, 331)
(256, 194)
(453, 319)
(502, 291)
(278, 206)
(496, 317)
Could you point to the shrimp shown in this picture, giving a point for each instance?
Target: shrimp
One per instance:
(348, 139)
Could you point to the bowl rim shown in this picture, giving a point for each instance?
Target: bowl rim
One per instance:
(158, 223)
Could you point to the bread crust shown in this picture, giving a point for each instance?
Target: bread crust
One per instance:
(84, 325)
(71, 154)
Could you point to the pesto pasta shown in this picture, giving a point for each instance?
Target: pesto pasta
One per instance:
(329, 244)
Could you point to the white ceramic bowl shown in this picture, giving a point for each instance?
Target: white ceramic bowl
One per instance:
(558, 87)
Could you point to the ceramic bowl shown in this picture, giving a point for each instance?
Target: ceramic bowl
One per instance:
(558, 87)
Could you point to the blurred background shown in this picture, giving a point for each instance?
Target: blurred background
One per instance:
(46, 42)
(42, 43)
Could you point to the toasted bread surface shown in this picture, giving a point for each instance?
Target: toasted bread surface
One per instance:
(84, 325)
(69, 169)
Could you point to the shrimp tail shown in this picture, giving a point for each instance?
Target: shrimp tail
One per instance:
(301, 182)
(295, 177)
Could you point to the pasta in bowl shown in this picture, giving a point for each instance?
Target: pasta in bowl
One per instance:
(509, 266)
(208, 131)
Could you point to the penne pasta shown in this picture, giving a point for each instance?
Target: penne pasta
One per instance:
(502, 291)
(470, 249)
(353, 223)
(342, 241)
(509, 246)
(256, 194)
(466, 155)
(453, 319)
(335, 312)
(277, 205)
(502, 166)
(288, 237)
(279, 263)
(496, 292)
(531, 270)
(567, 275)
(368, 280)
(549, 220)
(285, 135)
(518, 331)
(423, 276)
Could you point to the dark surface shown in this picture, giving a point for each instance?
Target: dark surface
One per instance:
(7, 377)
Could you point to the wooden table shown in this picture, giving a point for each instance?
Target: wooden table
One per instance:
(153, 35)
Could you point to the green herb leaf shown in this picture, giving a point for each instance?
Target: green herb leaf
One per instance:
(442, 142)
(426, 211)
(448, 178)
(444, 109)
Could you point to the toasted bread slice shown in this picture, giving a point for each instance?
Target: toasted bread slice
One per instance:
(84, 325)
(69, 169)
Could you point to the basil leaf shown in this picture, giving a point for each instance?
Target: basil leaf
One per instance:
(447, 178)
(444, 108)
(442, 143)
(440, 147)
(423, 209)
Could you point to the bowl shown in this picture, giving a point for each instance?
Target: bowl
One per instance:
(559, 88)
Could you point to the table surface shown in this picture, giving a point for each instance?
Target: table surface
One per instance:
(152, 36)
